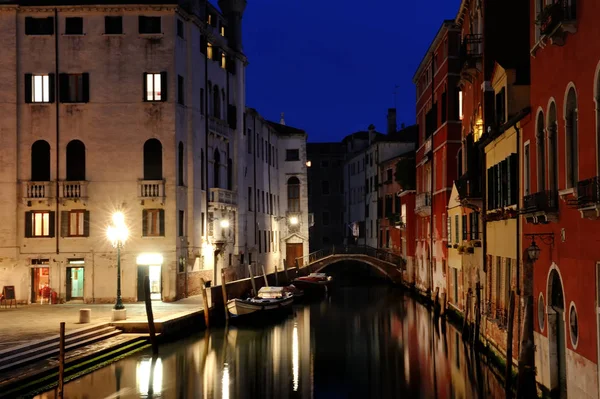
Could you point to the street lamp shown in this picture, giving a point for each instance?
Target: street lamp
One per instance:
(533, 251)
(117, 233)
(293, 220)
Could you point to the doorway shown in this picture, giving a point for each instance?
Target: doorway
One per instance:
(557, 337)
(293, 251)
(40, 284)
(154, 274)
(74, 282)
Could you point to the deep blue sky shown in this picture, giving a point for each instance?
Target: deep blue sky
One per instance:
(332, 65)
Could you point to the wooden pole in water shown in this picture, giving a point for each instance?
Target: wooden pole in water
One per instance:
(509, 341)
(254, 293)
(205, 302)
(276, 277)
(224, 292)
(264, 275)
(150, 316)
(287, 277)
(61, 361)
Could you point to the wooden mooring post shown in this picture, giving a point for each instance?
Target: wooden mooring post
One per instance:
(224, 292)
(285, 269)
(276, 277)
(205, 303)
(254, 292)
(61, 361)
(150, 315)
(264, 275)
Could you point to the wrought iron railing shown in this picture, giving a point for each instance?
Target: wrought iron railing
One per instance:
(588, 192)
(471, 50)
(376, 253)
(543, 201)
(555, 13)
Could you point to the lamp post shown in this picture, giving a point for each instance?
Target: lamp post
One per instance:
(117, 234)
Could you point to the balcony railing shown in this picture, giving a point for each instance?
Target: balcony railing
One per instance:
(222, 197)
(471, 50)
(151, 188)
(555, 14)
(588, 192)
(73, 189)
(218, 126)
(469, 184)
(38, 190)
(423, 200)
(543, 201)
(427, 146)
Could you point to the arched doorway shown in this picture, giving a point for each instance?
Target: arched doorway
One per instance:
(557, 336)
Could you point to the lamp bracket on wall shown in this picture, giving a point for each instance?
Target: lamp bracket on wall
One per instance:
(546, 238)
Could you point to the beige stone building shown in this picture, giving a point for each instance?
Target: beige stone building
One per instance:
(131, 107)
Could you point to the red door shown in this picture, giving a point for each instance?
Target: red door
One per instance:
(292, 251)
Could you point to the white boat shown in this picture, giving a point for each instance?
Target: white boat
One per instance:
(268, 301)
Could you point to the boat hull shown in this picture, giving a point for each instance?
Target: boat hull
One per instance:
(240, 308)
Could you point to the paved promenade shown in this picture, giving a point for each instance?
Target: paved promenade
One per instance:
(32, 322)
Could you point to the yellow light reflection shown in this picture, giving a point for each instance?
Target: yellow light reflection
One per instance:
(225, 381)
(144, 371)
(295, 358)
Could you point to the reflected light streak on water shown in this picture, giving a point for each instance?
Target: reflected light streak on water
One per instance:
(225, 381)
(295, 357)
(143, 373)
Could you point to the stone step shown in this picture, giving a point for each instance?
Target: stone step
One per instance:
(52, 348)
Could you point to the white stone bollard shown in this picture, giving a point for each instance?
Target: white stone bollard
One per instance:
(85, 315)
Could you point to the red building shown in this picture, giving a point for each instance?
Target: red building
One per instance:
(396, 207)
(561, 192)
(436, 81)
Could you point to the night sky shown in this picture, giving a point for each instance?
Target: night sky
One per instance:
(332, 65)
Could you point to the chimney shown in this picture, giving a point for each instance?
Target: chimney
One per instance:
(391, 121)
(371, 133)
(233, 10)
(282, 120)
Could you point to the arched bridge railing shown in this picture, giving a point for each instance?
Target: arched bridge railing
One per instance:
(376, 253)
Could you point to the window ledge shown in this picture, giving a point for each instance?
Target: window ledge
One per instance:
(151, 35)
(566, 191)
(39, 102)
(73, 34)
(40, 35)
(72, 102)
(113, 34)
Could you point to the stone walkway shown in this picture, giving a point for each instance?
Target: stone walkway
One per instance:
(33, 322)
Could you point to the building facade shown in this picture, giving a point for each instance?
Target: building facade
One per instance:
(80, 144)
(560, 188)
(436, 81)
(326, 194)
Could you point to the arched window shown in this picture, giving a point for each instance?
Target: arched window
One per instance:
(180, 164)
(571, 148)
(202, 169)
(223, 101)
(40, 161)
(293, 185)
(152, 160)
(216, 168)
(229, 174)
(216, 103)
(541, 153)
(75, 161)
(552, 149)
(209, 103)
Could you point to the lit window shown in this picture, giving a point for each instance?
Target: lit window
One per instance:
(153, 87)
(40, 92)
(460, 105)
(223, 61)
(76, 223)
(222, 31)
(209, 51)
(41, 224)
(478, 131)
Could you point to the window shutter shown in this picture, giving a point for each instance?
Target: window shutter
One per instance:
(51, 87)
(490, 188)
(86, 223)
(144, 86)
(505, 182)
(64, 223)
(203, 44)
(28, 224)
(144, 223)
(161, 213)
(497, 191)
(52, 224)
(86, 87)
(63, 87)
(163, 86)
(28, 91)
(514, 179)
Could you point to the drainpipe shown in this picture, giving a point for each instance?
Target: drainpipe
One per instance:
(518, 238)
(56, 92)
(206, 192)
(431, 228)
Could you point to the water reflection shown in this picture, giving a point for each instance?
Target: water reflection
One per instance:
(361, 342)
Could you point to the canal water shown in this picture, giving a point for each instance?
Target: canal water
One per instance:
(364, 341)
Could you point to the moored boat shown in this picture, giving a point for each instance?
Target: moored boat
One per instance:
(314, 283)
(269, 301)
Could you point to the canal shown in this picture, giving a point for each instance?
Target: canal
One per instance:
(366, 340)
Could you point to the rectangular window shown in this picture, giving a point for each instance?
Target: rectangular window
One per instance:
(180, 90)
(181, 223)
(74, 88)
(526, 178)
(464, 227)
(155, 85)
(73, 26)
(113, 25)
(180, 28)
(149, 25)
(76, 223)
(444, 107)
(249, 141)
(501, 107)
(449, 229)
(39, 26)
(389, 176)
(456, 229)
(202, 224)
(474, 225)
(460, 105)
(259, 241)
(292, 155)
(39, 224)
(39, 88)
(153, 222)
(249, 198)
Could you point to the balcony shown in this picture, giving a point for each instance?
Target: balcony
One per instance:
(557, 19)
(151, 190)
(219, 127)
(427, 146)
(431, 121)
(469, 185)
(588, 197)
(471, 54)
(38, 190)
(221, 198)
(73, 190)
(540, 207)
(423, 204)
(395, 219)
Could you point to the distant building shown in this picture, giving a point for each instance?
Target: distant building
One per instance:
(326, 194)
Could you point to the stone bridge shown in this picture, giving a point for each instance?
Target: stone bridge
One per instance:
(389, 264)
